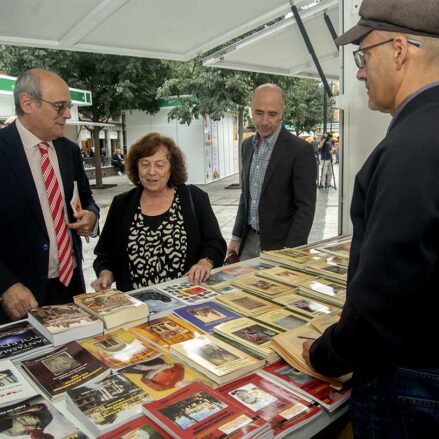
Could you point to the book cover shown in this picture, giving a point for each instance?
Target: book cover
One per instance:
(107, 403)
(120, 348)
(261, 286)
(320, 391)
(281, 319)
(67, 367)
(245, 304)
(187, 293)
(13, 385)
(206, 315)
(218, 277)
(20, 339)
(307, 307)
(196, 411)
(64, 323)
(140, 428)
(159, 303)
(162, 376)
(237, 270)
(330, 270)
(167, 331)
(216, 359)
(326, 290)
(284, 409)
(286, 276)
(36, 418)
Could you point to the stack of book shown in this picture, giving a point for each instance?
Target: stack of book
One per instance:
(107, 403)
(114, 308)
(281, 319)
(20, 340)
(286, 276)
(62, 324)
(327, 291)
(65, 368)
(216, 359)
(138, 428)
(198, 412)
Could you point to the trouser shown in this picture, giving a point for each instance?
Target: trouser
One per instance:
(326, 175)
(403, 403)
(252, 246)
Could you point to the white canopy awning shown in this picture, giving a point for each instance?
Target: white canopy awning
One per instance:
(280, 48)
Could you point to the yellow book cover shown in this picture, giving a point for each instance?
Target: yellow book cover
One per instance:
(120, 348)
(282, 319)
(259, 285)
(167, 331)
(245, 304)
(163, 375)
(286, 275)
(327, 290)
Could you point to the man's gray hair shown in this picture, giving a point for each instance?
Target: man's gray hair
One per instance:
(29, 83)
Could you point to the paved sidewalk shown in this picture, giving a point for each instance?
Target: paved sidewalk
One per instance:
(225, 204)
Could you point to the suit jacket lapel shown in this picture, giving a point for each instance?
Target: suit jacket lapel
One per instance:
(14, 152)
(276, 155)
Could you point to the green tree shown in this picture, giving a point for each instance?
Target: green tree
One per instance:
(116, 82)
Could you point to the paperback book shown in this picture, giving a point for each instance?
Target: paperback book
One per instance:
(13, 385)
(328, 396)
(163, 375)
(36, 418)
(20, 340)
(167, 331)
(328, 291)
(113, 307)
(284, 409)
(218, 277)
(286, 276)
(65, 368)
(309, 308)
(62, 324)
(245, 304)
(281, 319)
(206, 316)
(329, 270)
(187, 293)
(198, 412)
(107, 403)
(120, 348)
(266, 288)
(159, 303)
(340, 247)
(215, 359)
(237, 270)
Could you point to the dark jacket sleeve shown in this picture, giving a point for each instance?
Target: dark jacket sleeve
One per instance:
(213, 244)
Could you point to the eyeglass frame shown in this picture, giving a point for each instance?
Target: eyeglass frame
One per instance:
(60, 106)
(358, 54)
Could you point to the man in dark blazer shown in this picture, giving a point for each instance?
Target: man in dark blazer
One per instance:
(278, 197)
(387, 330)
(29, 256)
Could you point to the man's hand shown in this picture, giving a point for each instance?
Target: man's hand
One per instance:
(200, 271)
(85, 223)
(233, 247)
(104, 281)
(305, 352)
(17, 300)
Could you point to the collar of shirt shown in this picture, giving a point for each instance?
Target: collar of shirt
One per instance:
(28, 139)
(409, 99)
(269, 141)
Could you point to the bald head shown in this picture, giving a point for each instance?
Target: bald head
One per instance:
(271, 89)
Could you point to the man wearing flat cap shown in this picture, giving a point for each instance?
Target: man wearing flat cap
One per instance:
(387, 331)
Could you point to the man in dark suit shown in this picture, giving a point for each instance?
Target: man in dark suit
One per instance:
(386, 332)
(40, 250)
(277, 203)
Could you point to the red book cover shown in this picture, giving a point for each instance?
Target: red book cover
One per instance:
(138, 428)
(285, 410)
(198, 412)
(318, 390)
(65, 368)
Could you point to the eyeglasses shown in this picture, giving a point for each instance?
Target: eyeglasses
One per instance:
(60, 107)
(360, 59)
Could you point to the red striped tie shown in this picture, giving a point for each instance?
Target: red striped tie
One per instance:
(57, 209)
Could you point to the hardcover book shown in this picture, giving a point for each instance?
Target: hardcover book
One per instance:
(64, 323)
(65, 368)
(162, 376)
(106, 404)
(167, 331)
(36, 418)
(328, 396)
(20, 340)
(284, 409)
(13, 385)
(113, 307)
(159, 303)
(215, 359)
(245, 304)
(206, 316)
(120, 348)
(198, 412)
(139, 428)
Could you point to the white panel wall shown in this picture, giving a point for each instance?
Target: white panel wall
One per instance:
(363, 129)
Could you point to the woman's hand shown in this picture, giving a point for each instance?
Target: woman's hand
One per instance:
(104, 281)
(200, 272)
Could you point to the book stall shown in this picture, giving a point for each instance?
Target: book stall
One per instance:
(217, 360)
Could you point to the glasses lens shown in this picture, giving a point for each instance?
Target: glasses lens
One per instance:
(359, 59)
(62, 106)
